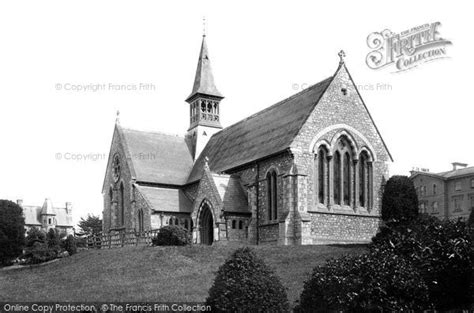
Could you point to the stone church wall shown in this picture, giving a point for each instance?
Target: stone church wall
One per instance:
(336, 111)
(111, 218)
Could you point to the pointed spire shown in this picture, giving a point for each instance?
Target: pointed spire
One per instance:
(204, 80)
(47, 208)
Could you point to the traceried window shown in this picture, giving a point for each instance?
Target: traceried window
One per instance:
(342, 169)
(272, 192)
(343, 176)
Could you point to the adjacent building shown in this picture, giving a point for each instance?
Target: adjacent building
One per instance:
(306, 170)
(447, 194)
(48, 216)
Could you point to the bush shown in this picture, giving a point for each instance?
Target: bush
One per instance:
(373, 282)
(12, 231)
(442, 253)
(53, 241)
(172, 236)
(69, 244)
(470, 221)
(39, 253)
(41, 247)
(399, 201)
(35, 235)
(244, 283)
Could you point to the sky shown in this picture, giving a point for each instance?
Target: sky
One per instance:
(67, 67)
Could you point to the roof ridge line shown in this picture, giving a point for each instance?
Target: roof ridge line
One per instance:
(153, 132)
(281, 102)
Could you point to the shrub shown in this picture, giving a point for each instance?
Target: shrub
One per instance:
(53, 241)
(373, 282)
(441, 251)
(399, 201)
(41, 246)
(470, 221)
(244, 283)
(35, 235)
(12, 231)
(69, 244)
(38, 253)
(172, 236)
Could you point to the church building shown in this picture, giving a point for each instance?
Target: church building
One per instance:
(306, 170)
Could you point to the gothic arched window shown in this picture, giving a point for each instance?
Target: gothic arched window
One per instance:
(111, 196)
(140, 221)
(233, 224)
(337, 178)
(241, 224)
(272, 192)
(342, 170)
(365, 180)
(346, 172)
(122, 205)
(322, 174)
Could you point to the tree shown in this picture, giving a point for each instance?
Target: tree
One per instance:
(91, 225)
(12, 231)
(399, 201)
(244, 283)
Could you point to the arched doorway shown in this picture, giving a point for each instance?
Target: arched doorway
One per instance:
(206, 225)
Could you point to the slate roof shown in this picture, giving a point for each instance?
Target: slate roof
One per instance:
(157, 157)
(33, 214)
(231, 193)
(449, 174)
(166, 199)
(204, 80)
(267, 132)
(457, 173)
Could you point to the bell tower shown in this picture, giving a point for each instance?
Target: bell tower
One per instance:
(204, 101)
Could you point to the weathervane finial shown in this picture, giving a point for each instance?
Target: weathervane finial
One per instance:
(204, 26)
(341, 55)
(117, 118)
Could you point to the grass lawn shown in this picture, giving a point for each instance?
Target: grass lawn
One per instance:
(154, 273)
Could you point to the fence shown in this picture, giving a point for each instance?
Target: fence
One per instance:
(117, 239)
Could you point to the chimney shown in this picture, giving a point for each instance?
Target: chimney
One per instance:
(19, 202)
(68, 207)
(458, 165)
